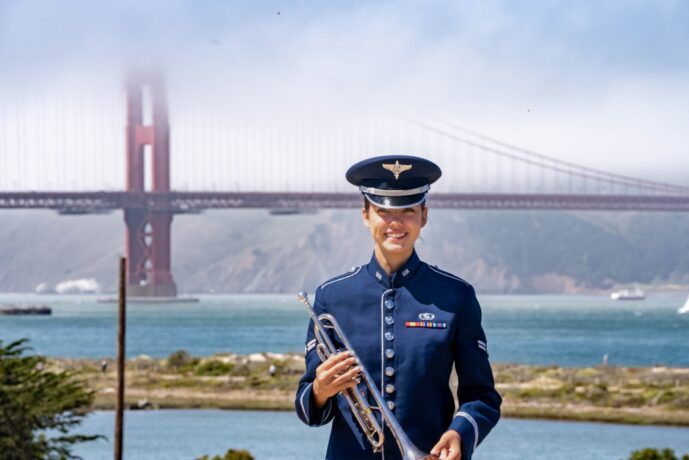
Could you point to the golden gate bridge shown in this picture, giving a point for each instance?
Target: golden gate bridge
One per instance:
(502, 176)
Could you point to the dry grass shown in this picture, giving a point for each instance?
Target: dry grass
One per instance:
(652, 396)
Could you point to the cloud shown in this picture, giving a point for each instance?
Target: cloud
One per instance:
(602, 83)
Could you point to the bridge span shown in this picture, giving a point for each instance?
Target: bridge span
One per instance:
(192, 202)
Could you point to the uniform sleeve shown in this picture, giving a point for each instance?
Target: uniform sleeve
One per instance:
(306, 410)
(479, 402)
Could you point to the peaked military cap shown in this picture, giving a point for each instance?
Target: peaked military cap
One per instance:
(394, 181)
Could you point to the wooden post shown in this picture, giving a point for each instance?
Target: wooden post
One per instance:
(119, 405)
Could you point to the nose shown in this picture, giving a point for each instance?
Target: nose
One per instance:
(394, 217)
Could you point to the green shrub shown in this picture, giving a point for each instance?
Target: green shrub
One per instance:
(214, 368)
(681, 402)
(179, 358)
(242, 370)
(230, 455)
(656, 454)
(505, 377)
(259, 381)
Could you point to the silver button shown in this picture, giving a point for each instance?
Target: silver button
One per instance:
(389, 371)
(391, 405)
(389, 304)
(389, 320)
(389, 336)
(389, 353)
(389, 388)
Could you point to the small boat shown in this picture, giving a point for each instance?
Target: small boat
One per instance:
(685, 308)
(10, 310)
(628, 294)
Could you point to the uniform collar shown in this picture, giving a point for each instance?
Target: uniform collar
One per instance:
(397, 279)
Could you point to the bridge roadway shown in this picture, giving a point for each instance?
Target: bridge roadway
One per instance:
(190, 202)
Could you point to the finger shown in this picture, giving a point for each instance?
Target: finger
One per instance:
(349, 385)
(348, 379)
(326, 365)
(438, 448)
(333, 360)
(339, 368)
(331, 387)
(443, 453)
(455, 452)
(350, 375)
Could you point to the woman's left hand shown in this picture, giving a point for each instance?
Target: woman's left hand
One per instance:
(448, 448)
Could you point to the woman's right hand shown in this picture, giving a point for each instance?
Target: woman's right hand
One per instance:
(337, 373)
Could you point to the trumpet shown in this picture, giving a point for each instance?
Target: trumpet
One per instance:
(361, 409)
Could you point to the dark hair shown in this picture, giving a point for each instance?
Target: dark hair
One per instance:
(367, 204)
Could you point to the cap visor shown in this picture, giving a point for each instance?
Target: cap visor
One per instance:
(395, 202)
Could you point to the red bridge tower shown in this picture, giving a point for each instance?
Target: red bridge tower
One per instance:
(148, 153)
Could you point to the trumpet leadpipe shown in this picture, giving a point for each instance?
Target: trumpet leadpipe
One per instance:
(361, 409)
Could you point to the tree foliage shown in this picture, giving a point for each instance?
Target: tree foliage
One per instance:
(38, 407)
(656, 454)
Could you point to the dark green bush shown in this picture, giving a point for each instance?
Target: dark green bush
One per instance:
(34, 400)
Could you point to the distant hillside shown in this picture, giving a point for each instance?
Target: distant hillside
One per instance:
(252, 251)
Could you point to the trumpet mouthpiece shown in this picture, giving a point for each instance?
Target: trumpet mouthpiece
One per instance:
(301, 296)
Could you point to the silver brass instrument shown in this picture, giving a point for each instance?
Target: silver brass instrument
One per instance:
(358, 403)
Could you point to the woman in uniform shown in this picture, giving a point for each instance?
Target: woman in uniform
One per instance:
(409, 323)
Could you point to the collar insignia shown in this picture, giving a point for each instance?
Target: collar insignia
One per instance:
(426, 316)
(405, 272)
(397, 168)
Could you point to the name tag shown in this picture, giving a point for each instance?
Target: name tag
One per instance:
(426, 324)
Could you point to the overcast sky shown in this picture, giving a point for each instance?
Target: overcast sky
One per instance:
(604, 84)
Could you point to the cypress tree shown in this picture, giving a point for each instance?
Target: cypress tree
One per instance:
(38, 407)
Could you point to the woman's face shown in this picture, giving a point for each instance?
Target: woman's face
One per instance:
(395, 231)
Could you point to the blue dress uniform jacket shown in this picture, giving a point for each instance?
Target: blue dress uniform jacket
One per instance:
(408, 330)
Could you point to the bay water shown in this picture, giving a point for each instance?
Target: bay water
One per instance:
(538, 329)
(544, 330)
(189, 434)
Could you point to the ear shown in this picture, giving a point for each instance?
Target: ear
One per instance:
(424, 216)
(364, 217)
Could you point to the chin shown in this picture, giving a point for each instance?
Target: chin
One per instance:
(395, 248)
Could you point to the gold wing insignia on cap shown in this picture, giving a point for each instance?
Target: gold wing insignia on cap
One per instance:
(397, 168)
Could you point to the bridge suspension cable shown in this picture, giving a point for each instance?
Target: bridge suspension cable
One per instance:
(535, 159)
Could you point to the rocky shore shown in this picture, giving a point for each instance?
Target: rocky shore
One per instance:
(266, 381)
